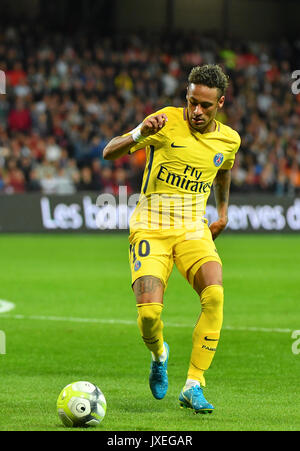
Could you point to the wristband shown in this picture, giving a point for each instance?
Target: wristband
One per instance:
(136, 134)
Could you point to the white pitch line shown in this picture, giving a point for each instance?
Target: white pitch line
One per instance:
(6, 306)
(131, 323)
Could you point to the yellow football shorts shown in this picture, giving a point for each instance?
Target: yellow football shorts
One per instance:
(153, 253)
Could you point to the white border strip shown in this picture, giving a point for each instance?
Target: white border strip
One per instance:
(131, 323)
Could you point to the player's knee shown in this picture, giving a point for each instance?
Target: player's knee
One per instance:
(212, 299)
(149, 312)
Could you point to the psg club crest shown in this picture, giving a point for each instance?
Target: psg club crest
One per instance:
(218, 159)
(137, 265)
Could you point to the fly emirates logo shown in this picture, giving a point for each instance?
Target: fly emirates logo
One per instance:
(189, 180)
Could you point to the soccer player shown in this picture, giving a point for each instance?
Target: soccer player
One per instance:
(188, 152)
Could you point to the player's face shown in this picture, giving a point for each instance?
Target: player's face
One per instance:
(203, 104)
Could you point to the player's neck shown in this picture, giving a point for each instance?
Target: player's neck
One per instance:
(210, 128)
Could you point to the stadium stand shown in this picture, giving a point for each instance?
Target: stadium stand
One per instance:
(67, 96)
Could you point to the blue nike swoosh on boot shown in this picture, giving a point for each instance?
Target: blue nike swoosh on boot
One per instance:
(158, 378)
(194, 399)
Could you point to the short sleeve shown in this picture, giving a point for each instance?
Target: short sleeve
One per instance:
(229, 162)
(151, 140)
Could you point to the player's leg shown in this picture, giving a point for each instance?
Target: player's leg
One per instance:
(208, 285)
(198, 261)
(149, 292)
(151, 265)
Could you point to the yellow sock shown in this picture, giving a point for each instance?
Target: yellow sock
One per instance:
(207, 332)
(151, 327)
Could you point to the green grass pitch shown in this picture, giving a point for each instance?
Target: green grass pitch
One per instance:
(75, 319)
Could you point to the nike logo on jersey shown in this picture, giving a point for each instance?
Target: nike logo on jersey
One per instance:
(210, 339)
(174, 146)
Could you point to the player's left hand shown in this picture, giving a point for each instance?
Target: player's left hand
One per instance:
(217, 227)
(153, 124)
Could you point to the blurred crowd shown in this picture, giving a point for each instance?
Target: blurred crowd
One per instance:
(67, 97)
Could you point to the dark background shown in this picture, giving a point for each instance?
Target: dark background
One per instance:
(251, 19)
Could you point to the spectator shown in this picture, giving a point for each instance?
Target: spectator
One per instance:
(48, 183)
(96, 174)
(121, 179)
(33, 183)
(86, 180)
(16, 75)
(64, 183)
(15, 181)
(107, 180)
(19, 117)
(53, 151)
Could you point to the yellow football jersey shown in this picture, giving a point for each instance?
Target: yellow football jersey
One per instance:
(180, 168)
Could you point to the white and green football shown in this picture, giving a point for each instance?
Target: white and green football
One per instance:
(81, 404)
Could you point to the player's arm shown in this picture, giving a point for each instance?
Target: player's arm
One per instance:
(221, 191)
(121, 145)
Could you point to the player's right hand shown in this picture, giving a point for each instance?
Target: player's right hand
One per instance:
(153, 124)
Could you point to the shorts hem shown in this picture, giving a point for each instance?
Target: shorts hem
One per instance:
(196, 266)
(133, 280)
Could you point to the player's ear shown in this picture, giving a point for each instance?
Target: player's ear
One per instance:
(221, 101)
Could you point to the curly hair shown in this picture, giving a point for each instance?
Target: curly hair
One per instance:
(210, 75)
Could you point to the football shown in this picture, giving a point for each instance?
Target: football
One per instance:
(81, 404)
